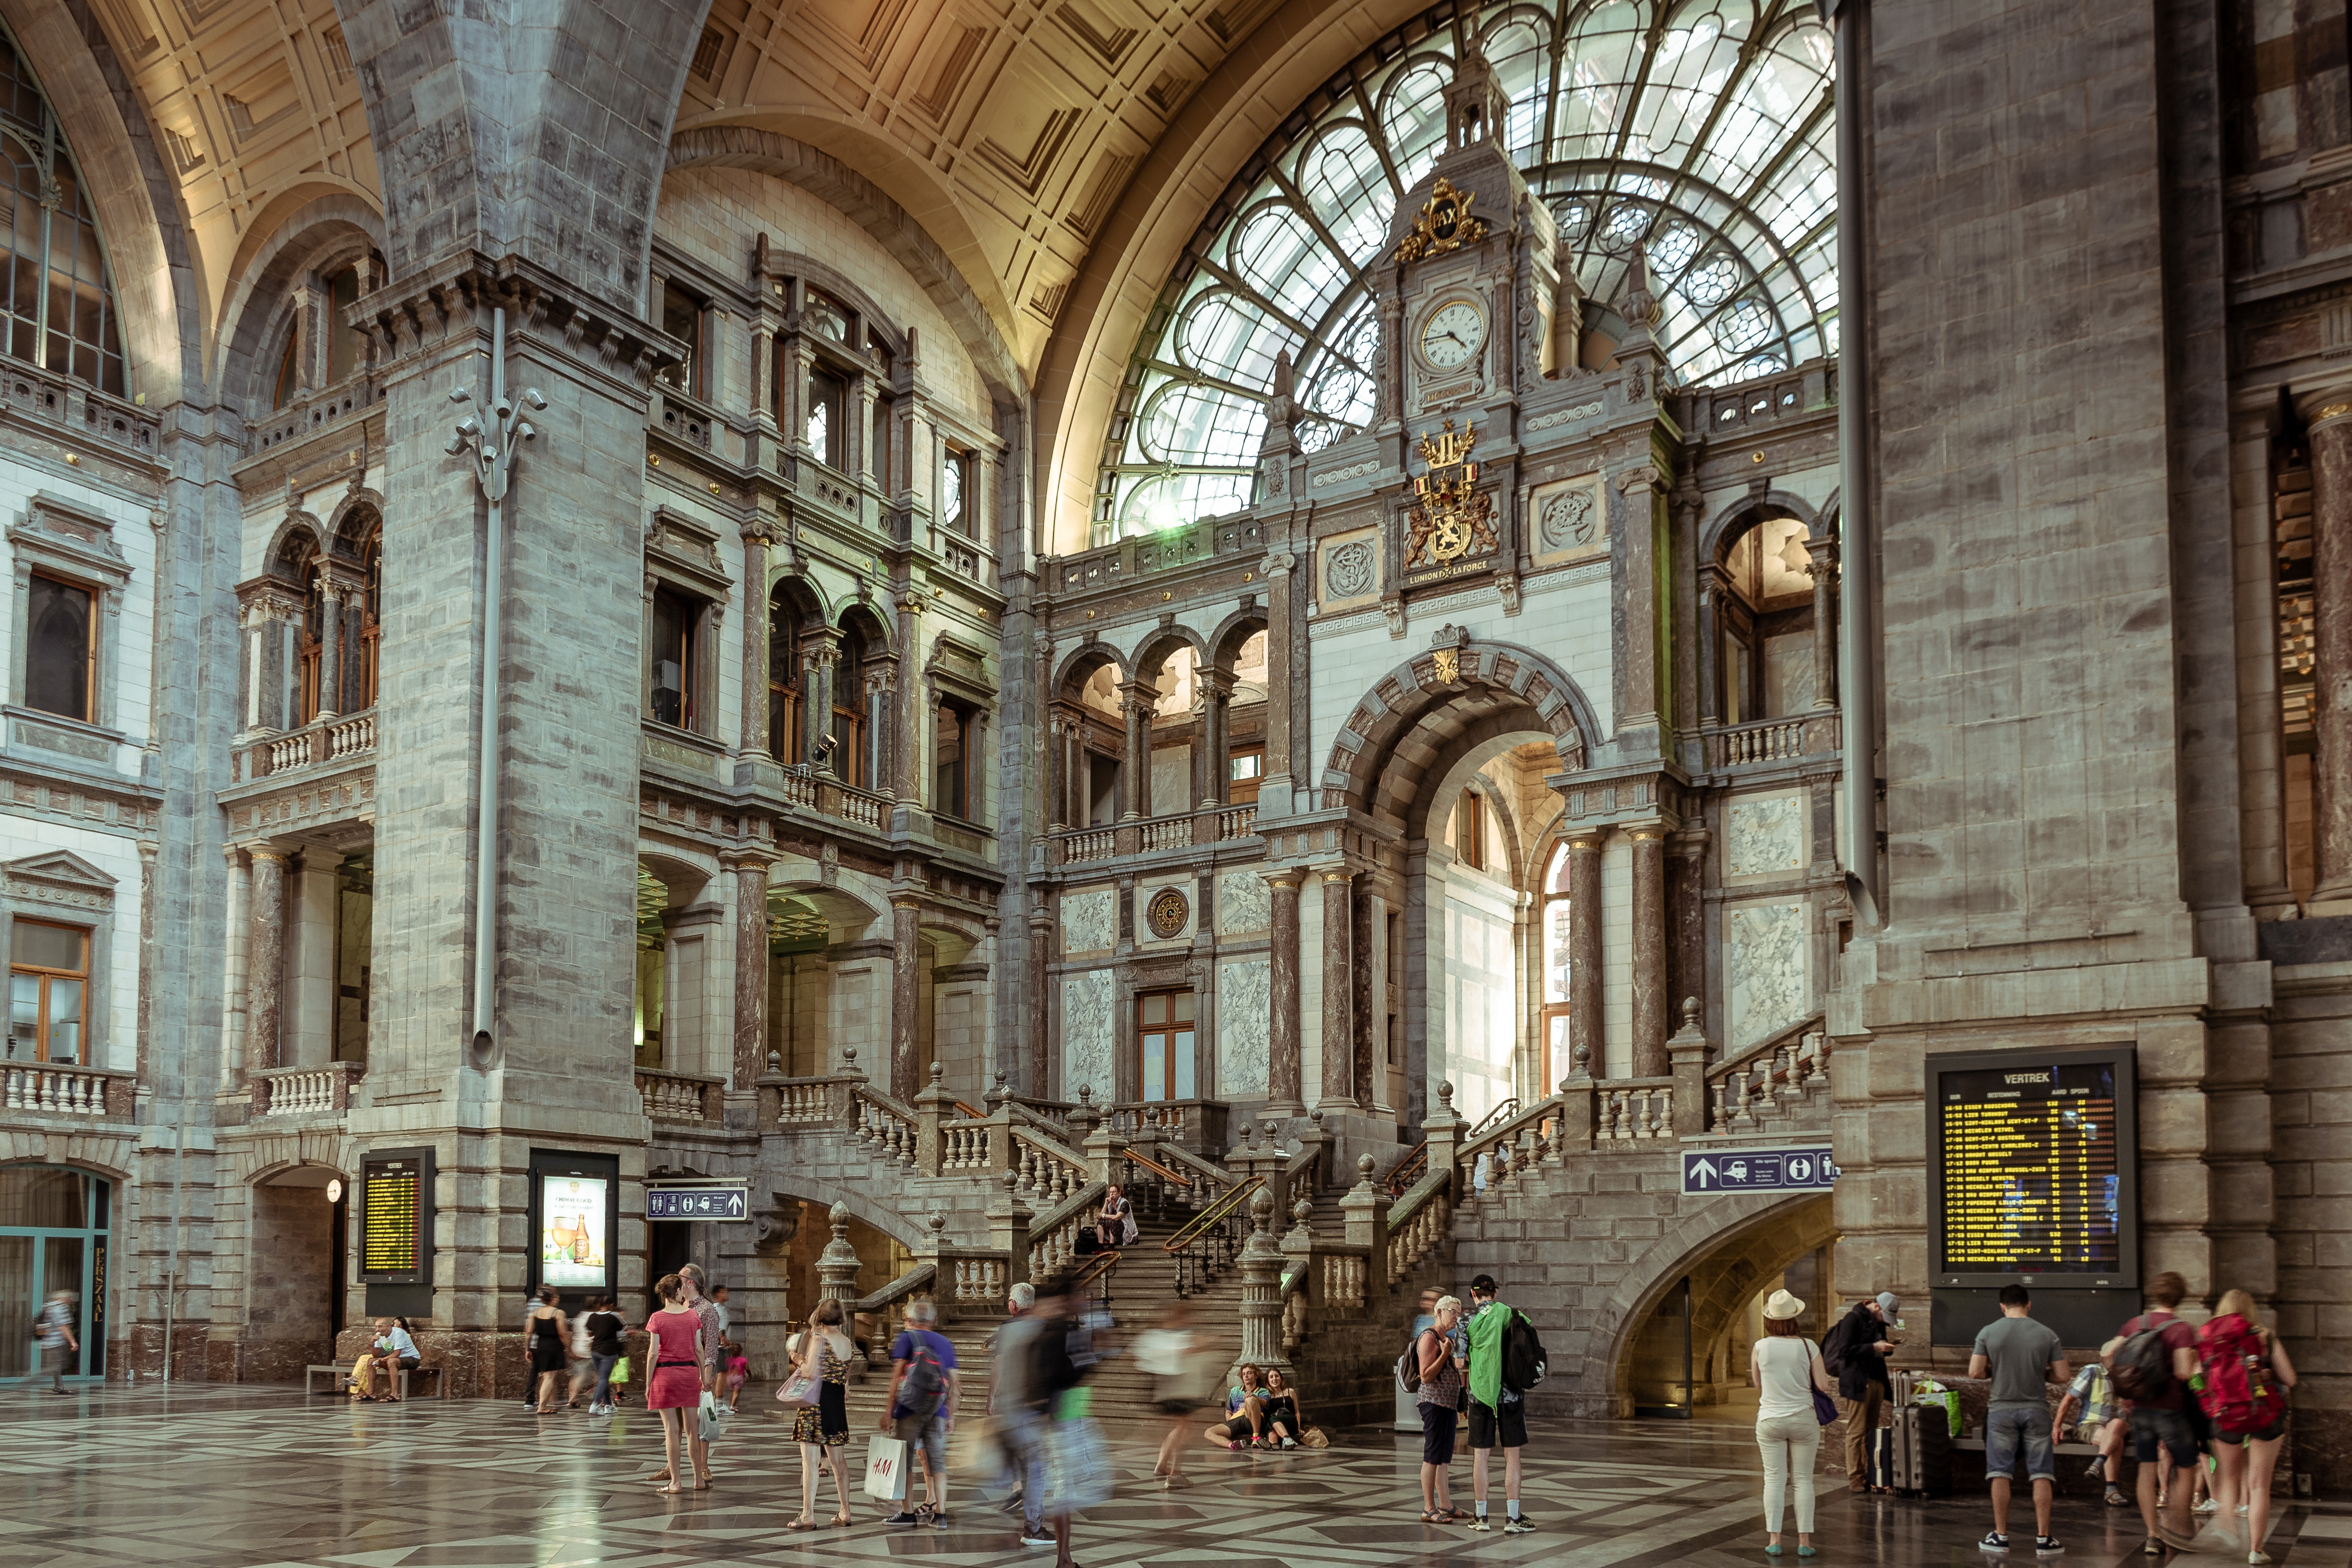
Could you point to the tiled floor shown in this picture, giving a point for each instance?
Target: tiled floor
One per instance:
(243, 1477)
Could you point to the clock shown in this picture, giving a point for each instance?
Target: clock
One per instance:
(1453, 334)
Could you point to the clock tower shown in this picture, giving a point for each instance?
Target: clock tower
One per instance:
(1474, 304)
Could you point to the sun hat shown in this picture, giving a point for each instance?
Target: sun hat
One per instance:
(1781, 1307)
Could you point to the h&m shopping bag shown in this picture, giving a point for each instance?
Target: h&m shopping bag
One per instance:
(886, 1468)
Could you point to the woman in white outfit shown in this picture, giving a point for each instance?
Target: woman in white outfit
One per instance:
(1788, 1367)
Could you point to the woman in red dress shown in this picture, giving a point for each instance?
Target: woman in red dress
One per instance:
(676, 1388)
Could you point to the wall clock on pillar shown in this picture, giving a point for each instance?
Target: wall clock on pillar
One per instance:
(1452, 334)
(1167, 914)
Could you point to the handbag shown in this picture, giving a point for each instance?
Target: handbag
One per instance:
(886, 1468)
(620, 1373)
(800, 1389)
(1824, 1408)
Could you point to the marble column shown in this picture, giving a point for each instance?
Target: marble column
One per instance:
(907, 737)
(1686, 920)
(1587, 1050)
(750, 967)
(1339, 990)
(819, 658)
(1137, 699)
(1823, 552)
(906, 995)
(232, 1042)
(331, 647)
(1368, 919)
(1274, 797)
(1650, 1006)
(264, 956)
(1216, 722)
(2331, 628)
(758, 534)
(1710, 645)
(1036, 1075)
(1283, 1044)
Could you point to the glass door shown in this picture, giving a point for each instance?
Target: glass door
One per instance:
(17, 1296)
(53, 1222)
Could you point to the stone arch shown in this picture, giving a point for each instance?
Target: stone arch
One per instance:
(1410, 717)
(109, 1157)
(868, 1201)
(1722, 530)
(1161, 643)
(568, 184)
(1079, 664)
(1767, 1233)
(320, 226)
(871, 623)
(682, 874)
(897, 230)
(807, 595)
(838, 905)
(347, 525)
(299, 540)
(1225, 642)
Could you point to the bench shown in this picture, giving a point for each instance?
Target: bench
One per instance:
(339, 1373)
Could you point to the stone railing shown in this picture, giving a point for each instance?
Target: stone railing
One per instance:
(1049, 1171)
(1095, 843)
(312, 412)
(799, 789)
(306, 1091)
(804, 1101)
(1417, 1222)
(1154, 835)
(1165, 832)
(682, 1097)
(1126, 559)
(1200, 1125)
(1782, 395)
(1768, 1077)
(1054, 1234)
(886, 1123)
(964, 1145)
(1508, 1144)
(1209, 1181)
(79, 409)
(1237, 821)
(338, 739)
(864, 808)
(60, 1090)
(1773, 741)
(1629, 1109)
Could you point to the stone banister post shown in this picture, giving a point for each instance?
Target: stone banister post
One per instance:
(1365, 1214)
(1688, 1052)
(1008, 1227)
(837, 1265)
(932, 1107)
(1444, 1127)
(1261, 1263)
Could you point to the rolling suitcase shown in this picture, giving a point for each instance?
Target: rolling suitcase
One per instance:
(1923, 1451)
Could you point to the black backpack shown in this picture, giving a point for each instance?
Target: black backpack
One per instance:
(1523, 1353)
(924, 1384)
(1834, 1342)
(1408, 1366)
(2143, 1365)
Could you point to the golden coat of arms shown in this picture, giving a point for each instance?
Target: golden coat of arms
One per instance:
(1443, 222)
(1450, 517)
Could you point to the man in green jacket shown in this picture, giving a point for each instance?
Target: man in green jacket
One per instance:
(1497, 1413)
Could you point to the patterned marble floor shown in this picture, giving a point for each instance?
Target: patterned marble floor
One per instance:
(254, 1477)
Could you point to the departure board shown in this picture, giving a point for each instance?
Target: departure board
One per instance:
(392, 1237)
(2034, 1164)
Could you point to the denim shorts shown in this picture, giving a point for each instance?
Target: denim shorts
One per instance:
(2009, 1426)
(2169, 1430)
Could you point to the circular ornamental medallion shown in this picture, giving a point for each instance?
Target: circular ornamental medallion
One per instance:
(1167, 913)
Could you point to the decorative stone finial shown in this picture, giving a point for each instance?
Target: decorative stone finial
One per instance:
(1012, 1183)
(939, 1069)
(1085, 1094)
(839, 1219)
(849, 1058)
(1690, 1015)
(1261, 1211)
(1316, 1116)
(1302, 1211)
(939, 1224)
(776, 1063)
(1365, 1166)
(1445, 1095)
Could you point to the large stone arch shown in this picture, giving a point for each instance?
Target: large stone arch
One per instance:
(897, 230)
(569, 185)
(1722, 530)
(1414, 716)
(305, 228)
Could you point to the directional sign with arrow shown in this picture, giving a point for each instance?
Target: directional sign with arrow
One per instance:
(1741, 1170)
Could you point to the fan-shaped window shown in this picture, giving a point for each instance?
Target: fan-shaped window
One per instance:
(57, 303)
(1699, 131)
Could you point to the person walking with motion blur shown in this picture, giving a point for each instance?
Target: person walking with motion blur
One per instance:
(1180, 1385)
(1788, 1369)
(823, 1352)
(605, 1348)
(2021, 1357)
(1019, 1431)
(2245, 1375)
(548, 1355)
(1440, 1399)
(2152, 1368)
(1065, 1358)
(2087, 1409)
(676, 1387)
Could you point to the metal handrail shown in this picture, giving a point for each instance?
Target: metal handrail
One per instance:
(1216, 1214)
(1101, 1267)
(1407, 1171)
(1156, 1169)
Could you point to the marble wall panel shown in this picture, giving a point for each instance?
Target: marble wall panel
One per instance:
(1764, 835)
(1090, 920)
(1088, 1035)
(1244, 1015)
(1764, 945)
(1245, 904)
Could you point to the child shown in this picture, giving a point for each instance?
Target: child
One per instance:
(738, 1373)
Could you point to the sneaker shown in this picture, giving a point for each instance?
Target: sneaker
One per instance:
(2151, 1547)
(939, 1522)
(1233, 1447)
(1290, 1442)
(1035, 1537)
(1994, 1541)
(1517, 1526)
(2258, 1558)
(904, 1517)
(2046, 1546)
(2207, 1506)
(2116, 1499)
(1478, 1523)
(1013, 1503)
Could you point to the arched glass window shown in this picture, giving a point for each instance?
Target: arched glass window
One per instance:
(1700, 131)
(57, 301)
(371, 614)
(1556, 974)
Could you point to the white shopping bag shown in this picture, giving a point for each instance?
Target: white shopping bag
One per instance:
(886, 1468)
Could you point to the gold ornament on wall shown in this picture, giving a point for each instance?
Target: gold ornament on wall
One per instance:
(1167, 914)
(1450, 517)
(1443, 224)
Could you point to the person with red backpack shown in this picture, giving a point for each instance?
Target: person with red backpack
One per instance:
(2151, 1370)
(2246, 1375)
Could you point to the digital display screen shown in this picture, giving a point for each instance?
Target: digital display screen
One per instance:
(392, 1213)
(573, 1211)
(2032, 1168)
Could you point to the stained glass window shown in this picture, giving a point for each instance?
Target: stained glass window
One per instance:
(57, 303)
(1699, 131)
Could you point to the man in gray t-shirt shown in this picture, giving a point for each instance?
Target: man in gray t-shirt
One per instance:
(2022, 1358)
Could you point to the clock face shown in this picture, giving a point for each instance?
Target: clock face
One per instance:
(1453, 334)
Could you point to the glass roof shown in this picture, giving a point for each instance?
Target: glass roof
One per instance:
(1701, 130)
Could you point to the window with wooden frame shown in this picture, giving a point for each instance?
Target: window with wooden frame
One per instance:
(1245, 771)
(1163, 1039)
(682, 318)
(673, 664)
(346, 348)
(955, 749)
(1552, 931)
(310, 643)
(371, 641)
(61, 649)
(786, 743)
(49, 989)
(290, 372)
(1470, 831)
(851, 762)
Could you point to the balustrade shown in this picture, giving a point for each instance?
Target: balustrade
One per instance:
(865, 809)
(981, 1281)
(804, 1100)
(1772, 740)
(1416, 1225)
(305, 1091)
(680, 1097)
(964, 1145)
(891, 1130)
(1097, 844)
(1768, 1078)
(1047, 1174)
(56, 1091)
(325, 741)
(1237, 821)
(1345, 1276)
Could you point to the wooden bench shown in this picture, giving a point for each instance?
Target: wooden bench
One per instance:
(339, 1372)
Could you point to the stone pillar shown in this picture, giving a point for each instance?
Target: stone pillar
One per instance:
(758, 533)
(1368, 975)
(1136, 700)
(1216, 720)
(907, 739)
(751, 1056)
(331, 646)
(820, 654)
(1640, 680)
(1687, 1051)
(837, 1265)
(1339, 990)
(1649, 951)
(1057, 774)
(906, 994)
(1008, 1225)
(1686, 914)
(1587, 1050)
(1283, 1084)
(1823, 552)
(1274, 797)
(1262, 1292)
(1710, 644)
(233, 1006)
(1365, 1214)
(2331, 625)
(306, 1030)
(1037, 1078)
(264, 956)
